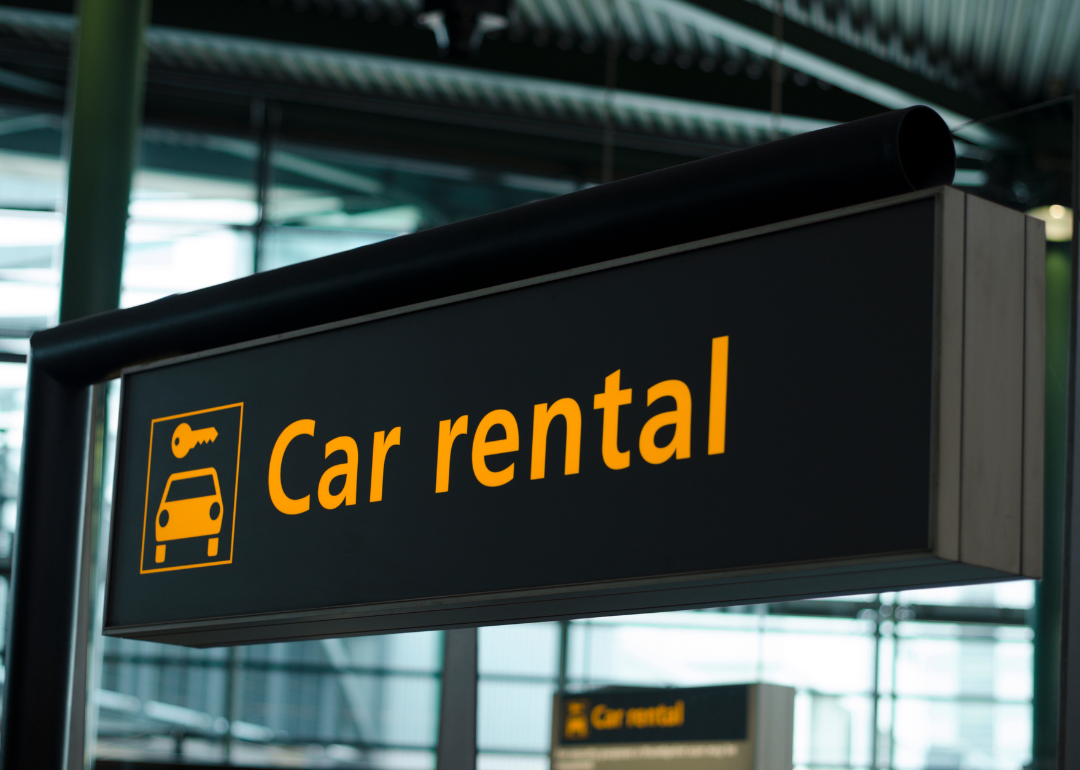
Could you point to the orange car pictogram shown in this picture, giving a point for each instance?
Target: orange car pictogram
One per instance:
(191, 506)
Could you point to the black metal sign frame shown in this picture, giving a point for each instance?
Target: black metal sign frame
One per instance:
(971, 374)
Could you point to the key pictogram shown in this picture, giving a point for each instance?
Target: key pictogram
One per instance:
(184, 438)
(191, 483)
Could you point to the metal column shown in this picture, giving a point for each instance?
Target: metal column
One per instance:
(1069, 710)
(1047, 616)
(104, 113)
(457, 711)
(105, 100)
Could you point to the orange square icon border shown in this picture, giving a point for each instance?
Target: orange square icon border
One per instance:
(236, 491)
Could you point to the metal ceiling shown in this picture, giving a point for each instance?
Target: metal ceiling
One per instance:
(1028, 48)
(437, 83)
(693, 34)
(449, 84)
(1023, 49)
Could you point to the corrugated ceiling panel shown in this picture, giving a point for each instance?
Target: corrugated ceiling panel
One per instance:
(1039, 46)
(1063, 58)
(405, 79)
(529, 13)
(961, 24)
(583, 20)
(1019, 46)
(630, 24)
(555, 16)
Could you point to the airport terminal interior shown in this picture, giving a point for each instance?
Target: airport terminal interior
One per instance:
(279, 131)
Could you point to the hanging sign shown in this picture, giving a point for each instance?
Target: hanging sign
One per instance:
(726, 727)
(775, 413)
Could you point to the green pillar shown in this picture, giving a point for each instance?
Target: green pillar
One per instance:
(105, 100)
(104, 113)
(1048, 593)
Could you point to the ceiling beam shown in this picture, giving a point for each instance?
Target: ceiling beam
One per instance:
(865, 84)
(223, 105)
(402, 38)
(751, 26)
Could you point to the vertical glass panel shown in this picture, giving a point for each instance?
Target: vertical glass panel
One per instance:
(832, 730)
(603, 652)
(31, 172)
(193, 212)
(31, 177)
(29, 277)
(323, 201)
(284, 246)
(12, 399)
(1013, 662)
(514, 716)
(163, 258)
(342, 189)
(961, 734)
(528, 650)
(489, 760)
(1018, 594)
(961, 660)
(518, 668)
(375, 698)
(836, 662)
(31, 182)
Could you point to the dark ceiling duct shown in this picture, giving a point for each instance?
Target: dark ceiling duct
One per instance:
(865, 160)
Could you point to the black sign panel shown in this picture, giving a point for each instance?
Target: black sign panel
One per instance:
(757, 402)
(646, 715)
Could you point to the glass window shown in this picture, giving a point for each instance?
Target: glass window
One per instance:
(870, 677)
(193, 212)
(31, 178)
(322, 201)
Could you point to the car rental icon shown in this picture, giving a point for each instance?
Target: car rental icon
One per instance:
(191, 506)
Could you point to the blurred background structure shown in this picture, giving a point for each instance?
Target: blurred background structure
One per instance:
(277, 131)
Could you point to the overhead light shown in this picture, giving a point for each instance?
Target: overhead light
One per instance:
(460, 25)
(1059, 221)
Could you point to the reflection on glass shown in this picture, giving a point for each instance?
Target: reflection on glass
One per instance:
(962, 690)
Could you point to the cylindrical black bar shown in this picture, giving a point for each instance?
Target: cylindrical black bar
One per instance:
(865, 160)
(48, 540)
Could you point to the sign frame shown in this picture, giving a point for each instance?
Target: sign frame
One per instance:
(977, 534)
